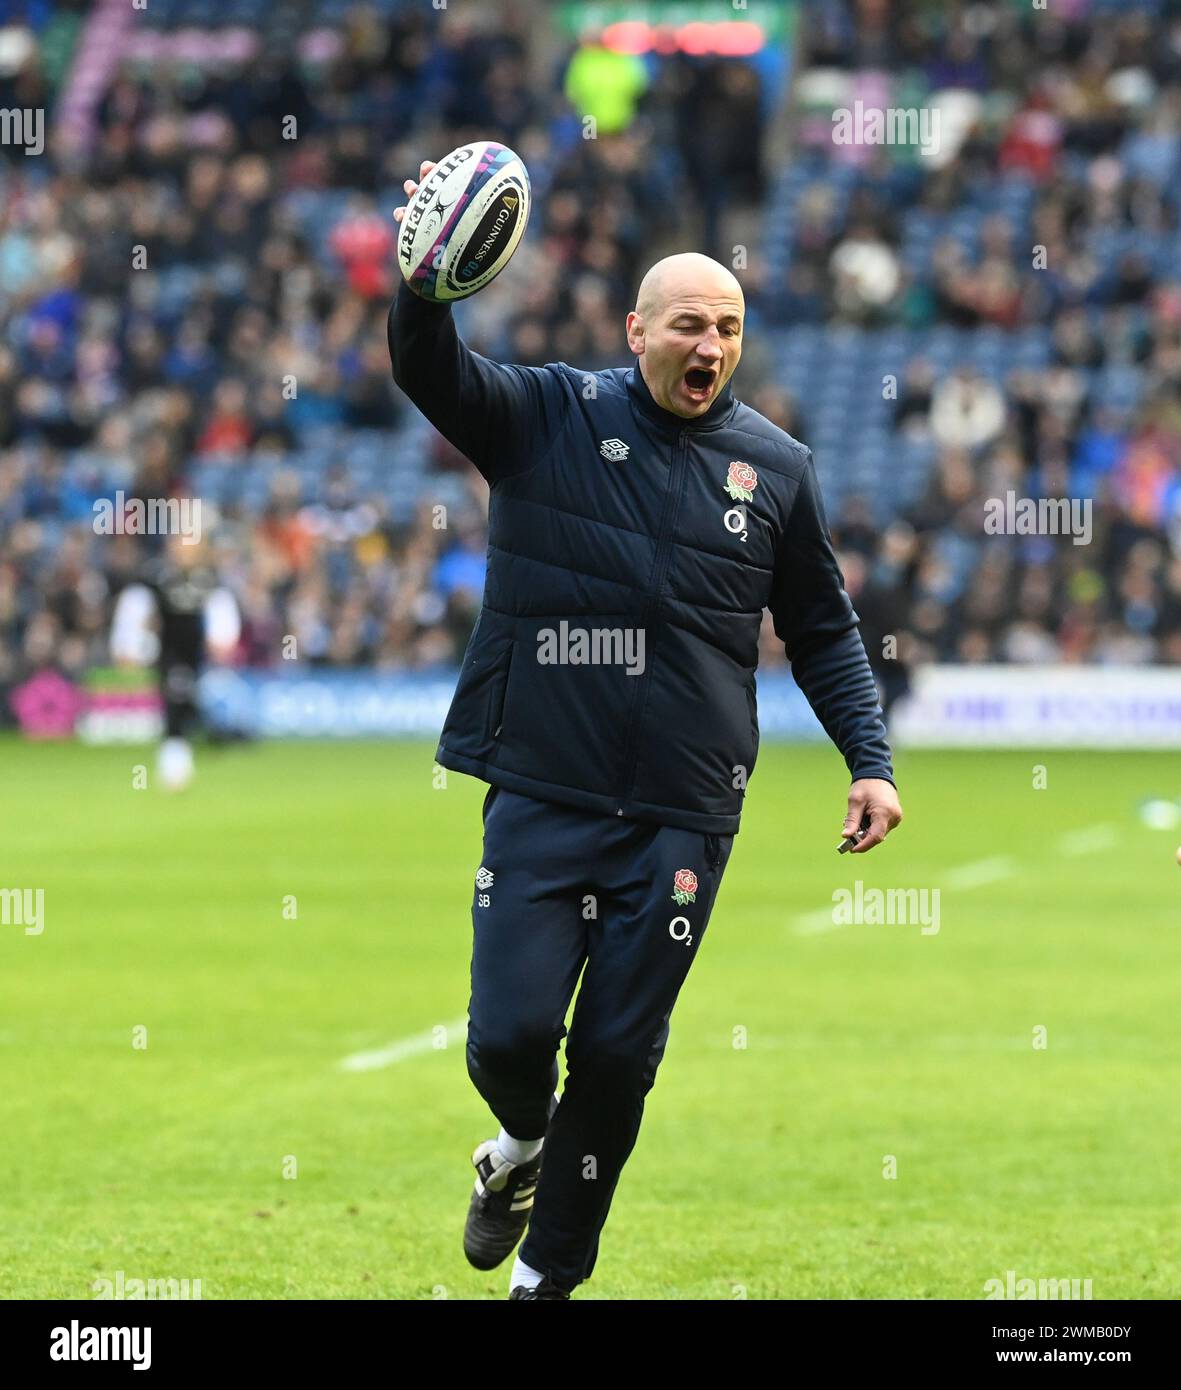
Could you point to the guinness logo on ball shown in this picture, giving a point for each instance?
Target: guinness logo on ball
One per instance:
(496, 227)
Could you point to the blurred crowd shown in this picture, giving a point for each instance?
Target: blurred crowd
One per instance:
(1078, 113)
(204, 286)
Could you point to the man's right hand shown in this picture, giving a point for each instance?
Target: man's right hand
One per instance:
(410, 188)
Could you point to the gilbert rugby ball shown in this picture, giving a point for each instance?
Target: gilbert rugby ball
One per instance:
(464, 223)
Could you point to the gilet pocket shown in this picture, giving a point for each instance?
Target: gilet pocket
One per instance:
(754, 726)
(497, 695)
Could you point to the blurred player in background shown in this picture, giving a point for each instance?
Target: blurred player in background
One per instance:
(175, 614)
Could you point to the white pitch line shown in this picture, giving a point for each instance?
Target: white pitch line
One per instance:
(983, 871)
(1074, 844)
(973, 875)
(401, 1048)
(810, 923)
(1094, 837)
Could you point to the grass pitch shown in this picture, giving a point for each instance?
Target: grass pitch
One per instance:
(304, 903)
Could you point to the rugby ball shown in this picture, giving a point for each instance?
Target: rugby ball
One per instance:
(463, 225)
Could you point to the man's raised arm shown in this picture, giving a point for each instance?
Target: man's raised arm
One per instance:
(502, 417)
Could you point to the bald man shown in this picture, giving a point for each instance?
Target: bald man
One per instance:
(640, 520)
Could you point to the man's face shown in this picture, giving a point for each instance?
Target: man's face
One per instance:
(689, 343)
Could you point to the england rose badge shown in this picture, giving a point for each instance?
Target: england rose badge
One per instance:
(684, 887)
(741, 481)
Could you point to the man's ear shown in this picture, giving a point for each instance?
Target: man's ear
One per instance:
(635, 333)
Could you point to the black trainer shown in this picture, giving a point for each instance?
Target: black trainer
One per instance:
(499, 1209)
(544, 1290)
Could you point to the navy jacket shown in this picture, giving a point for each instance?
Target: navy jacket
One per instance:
(630, 556)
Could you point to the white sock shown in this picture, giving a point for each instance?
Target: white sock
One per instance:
(174, 765)
(522, 1274)
(518, 1150)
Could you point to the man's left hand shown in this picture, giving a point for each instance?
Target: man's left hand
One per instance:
(877, 798)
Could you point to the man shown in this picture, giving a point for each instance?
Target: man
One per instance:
(180, 595)
(640, 520)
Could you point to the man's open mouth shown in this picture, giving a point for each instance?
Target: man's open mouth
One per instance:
(699, 381)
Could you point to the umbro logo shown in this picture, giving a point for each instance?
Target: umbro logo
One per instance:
(615, 450)
(483, 877)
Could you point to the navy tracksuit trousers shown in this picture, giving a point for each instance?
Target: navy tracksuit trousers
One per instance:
(560, 889)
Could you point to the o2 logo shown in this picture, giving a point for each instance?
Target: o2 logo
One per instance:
(678, 929)
(735, 522)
